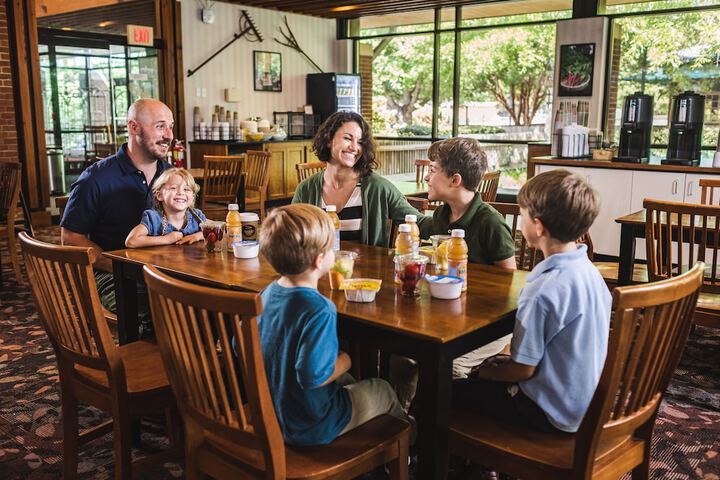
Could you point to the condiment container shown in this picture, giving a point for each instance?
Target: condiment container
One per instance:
(446, 287)
(248, 249)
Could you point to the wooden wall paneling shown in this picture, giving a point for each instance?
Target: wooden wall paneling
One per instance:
(168, 25)
(25, 62)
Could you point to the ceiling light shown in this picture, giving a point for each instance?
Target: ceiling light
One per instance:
(106, 23)
(345, 8)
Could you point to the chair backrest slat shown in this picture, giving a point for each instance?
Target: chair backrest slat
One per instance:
(306, 170)
(708, 187)
(65, 293)
(221, 179)
(202, 332)
(421, 166)
(257, 170)
(678, 235)
(649, 328)
(489, 186)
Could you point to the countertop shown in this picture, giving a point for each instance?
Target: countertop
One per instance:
(654, 164)
(233, 142)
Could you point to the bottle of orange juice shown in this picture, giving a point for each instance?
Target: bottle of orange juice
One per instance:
(234, 226)
(331, 211)
(403, 245)
(411, 220)
(457, 255)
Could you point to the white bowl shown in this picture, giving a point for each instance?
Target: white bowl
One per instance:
(446, 287)
(362, 296)
(246, 249)
(279, 138)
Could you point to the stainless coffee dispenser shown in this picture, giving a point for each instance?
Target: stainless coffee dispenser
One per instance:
(636, 129)
(686, 129)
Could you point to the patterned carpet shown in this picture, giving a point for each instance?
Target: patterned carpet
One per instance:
(685, 445)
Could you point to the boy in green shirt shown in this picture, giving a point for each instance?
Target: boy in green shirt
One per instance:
(457, 167)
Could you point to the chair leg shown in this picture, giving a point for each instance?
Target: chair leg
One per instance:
(193, 438)
(399, 467)
(122, 432)
(71, 434)
(14, 256)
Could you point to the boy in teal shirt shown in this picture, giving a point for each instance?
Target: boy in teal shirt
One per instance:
(315, 399)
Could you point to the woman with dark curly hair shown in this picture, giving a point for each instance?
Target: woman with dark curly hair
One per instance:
(364, 199)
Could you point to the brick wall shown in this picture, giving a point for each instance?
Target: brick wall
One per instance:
(8, 130)
(365, 70)
(612, 101)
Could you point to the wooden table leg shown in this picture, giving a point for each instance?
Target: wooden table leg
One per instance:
(434, 396)
(627, 254)
(126, 304)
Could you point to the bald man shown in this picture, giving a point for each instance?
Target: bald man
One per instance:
(109, 197)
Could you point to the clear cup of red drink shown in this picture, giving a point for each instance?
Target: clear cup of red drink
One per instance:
(213, 232)
(411, 269)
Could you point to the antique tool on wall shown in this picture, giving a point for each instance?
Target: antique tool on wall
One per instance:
(247, 28)
(291, 42)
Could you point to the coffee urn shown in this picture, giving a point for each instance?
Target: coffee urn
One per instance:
(636, 129)
(686, 130)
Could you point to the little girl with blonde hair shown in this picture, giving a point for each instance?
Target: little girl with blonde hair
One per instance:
(173, 220)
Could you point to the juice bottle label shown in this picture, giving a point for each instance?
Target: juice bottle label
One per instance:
(458, 268)
(336, 243)
(234, 235)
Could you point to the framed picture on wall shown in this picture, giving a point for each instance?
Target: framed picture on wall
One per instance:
(267, 71)
(576, 70)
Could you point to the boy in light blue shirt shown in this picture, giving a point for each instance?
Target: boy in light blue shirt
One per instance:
(315, 399)
(561, 330)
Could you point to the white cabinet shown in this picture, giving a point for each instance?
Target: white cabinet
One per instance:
(614, 188)
(668, 186)
(692, 187)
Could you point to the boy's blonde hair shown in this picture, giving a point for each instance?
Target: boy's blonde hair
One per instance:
(165, 177)
(292, 236)
(460, 155)
(565, 203)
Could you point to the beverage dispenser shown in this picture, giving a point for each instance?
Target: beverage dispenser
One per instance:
(636, 129)
(686, 129)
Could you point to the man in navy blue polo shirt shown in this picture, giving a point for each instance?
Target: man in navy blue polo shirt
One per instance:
(109, 197)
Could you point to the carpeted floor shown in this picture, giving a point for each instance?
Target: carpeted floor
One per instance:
(686, 442)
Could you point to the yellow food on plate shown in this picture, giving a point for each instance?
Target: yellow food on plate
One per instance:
(441, 255)
(360, 284)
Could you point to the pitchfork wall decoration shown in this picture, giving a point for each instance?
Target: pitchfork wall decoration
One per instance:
(247, 28)
(291, 42)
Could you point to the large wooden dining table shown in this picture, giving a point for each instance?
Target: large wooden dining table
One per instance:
(431, 331)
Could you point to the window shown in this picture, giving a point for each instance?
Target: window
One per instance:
(656, 60)
(632, 6)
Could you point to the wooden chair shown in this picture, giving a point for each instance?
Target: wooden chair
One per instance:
(10, 173)
(221, 179)
(257, 177)
(708, 192)
(422, 166)
(230, 426)
(692, 234)
(649, 329)
(489, 186)
(305, 170)
(527, 257)
(127, 381)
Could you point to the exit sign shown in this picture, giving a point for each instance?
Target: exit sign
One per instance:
(140, 35)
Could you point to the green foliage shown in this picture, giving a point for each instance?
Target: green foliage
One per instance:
(512, 64)
(480, 129)
(415, 131)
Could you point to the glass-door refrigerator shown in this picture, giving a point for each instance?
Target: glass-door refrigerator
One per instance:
(333, 92)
